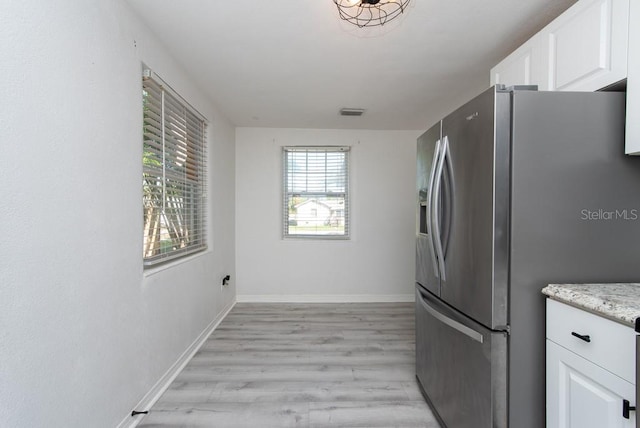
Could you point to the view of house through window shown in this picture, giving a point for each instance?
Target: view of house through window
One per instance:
(173, 175)
(316, 185)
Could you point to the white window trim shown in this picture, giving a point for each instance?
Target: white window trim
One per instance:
(199, 215)
(347, 195)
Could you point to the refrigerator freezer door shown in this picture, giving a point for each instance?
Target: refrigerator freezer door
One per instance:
(476, 260)
(426, 263)
(461, 366)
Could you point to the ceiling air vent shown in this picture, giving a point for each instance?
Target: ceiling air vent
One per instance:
(351, 111)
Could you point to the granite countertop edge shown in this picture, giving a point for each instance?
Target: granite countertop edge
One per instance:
(617, 301)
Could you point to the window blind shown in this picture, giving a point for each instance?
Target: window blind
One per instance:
(316, 192)
(173, 174)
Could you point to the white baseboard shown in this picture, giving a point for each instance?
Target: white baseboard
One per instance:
(161, 386)
(325, 298)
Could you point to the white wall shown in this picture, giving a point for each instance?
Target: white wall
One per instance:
(85, 333)
(376, 264)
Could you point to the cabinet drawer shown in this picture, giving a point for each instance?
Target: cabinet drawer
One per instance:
(611, 345)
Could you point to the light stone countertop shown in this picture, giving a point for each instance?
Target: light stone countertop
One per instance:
(616, 301)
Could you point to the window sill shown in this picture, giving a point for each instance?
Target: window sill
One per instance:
(315, 239)
(150, 271)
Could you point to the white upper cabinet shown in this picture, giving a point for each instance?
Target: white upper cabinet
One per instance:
(592, 45)
(524, 66)
(514, 69)
(633, 81)
(587, 46)
(584, 49)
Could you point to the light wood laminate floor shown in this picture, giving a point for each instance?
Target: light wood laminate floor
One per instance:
(301, 365)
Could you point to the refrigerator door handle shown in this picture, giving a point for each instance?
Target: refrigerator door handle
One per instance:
(448, 321)
(444, 149)
(449, 196)
(432, 175)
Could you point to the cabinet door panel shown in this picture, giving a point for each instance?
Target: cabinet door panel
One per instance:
(581, 394)
(633, 82)
(514, 70)
(525, 66)
(588, 45)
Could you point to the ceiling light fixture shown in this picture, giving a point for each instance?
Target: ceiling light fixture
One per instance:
(370, 13)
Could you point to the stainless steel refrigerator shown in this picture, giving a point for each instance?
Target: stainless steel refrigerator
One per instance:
(515, 190)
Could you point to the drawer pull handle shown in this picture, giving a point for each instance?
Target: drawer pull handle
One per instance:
(584, 337)
(626, 408)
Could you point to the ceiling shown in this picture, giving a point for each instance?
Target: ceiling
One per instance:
(294, 63)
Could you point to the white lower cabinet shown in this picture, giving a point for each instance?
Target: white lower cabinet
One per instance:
(590, 370)
(581, 394)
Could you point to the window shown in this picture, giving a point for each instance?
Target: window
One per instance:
(173, 174)
(316, 192)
